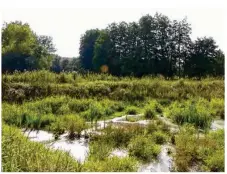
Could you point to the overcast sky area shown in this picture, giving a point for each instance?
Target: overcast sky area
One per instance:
(67, 25)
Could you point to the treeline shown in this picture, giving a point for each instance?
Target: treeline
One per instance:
(154, 45)
(23, 49)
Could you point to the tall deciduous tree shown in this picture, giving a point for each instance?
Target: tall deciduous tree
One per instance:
(23, 49)
(87, 43)
(101, 51)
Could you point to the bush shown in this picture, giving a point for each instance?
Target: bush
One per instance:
(96, 111)
(143, 148)
(212, 152)
(186, 148)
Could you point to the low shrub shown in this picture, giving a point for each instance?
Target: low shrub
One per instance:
(120, 136)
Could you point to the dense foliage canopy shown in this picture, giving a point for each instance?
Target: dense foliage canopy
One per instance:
(154, 45)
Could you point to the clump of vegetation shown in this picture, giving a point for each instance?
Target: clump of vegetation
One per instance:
(74, 125)
(143, 148)
(149, 113)
(152, 127)
(132, 119)
(159, 137)
(192, 149)
(99, 150)
(152, 109)
(120, 136)
(112, 164)
(132, 110)
(58, 127)
(21, 155)
(195, 112)
(217, 107)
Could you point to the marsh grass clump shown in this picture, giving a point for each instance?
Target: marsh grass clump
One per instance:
(112, 164)
(58, 127)
(143, 148)
(218, 107)
(132, 110)
(206, 150)
(149, 113)
(152, 109)
(151, 127)
(120, 136)
(99, 150)
(21, 155)
(159, 137)
(194, 112)
(74, 125)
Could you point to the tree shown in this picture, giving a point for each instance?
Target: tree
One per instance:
(202, 60)
(219, 63)
(23, 49)
(18, 43)
(102, 46)
(56, 64)
(75, 64)
(87, 43)
(153, 45)
(65, 64)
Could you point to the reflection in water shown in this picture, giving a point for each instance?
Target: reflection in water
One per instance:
(119, 153)
(78, 148)
(163, 164)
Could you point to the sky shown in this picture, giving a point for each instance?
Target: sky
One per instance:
(67, 25)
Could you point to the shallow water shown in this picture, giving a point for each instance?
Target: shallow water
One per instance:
(78, 148)
(163, 164)
(39, 136)
(119, 153)
(217, 124)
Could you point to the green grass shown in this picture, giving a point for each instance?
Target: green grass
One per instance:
(195, 111)
(143, 148)
(32, 85)
(21, 155)
(64, 102)
(208, 150)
